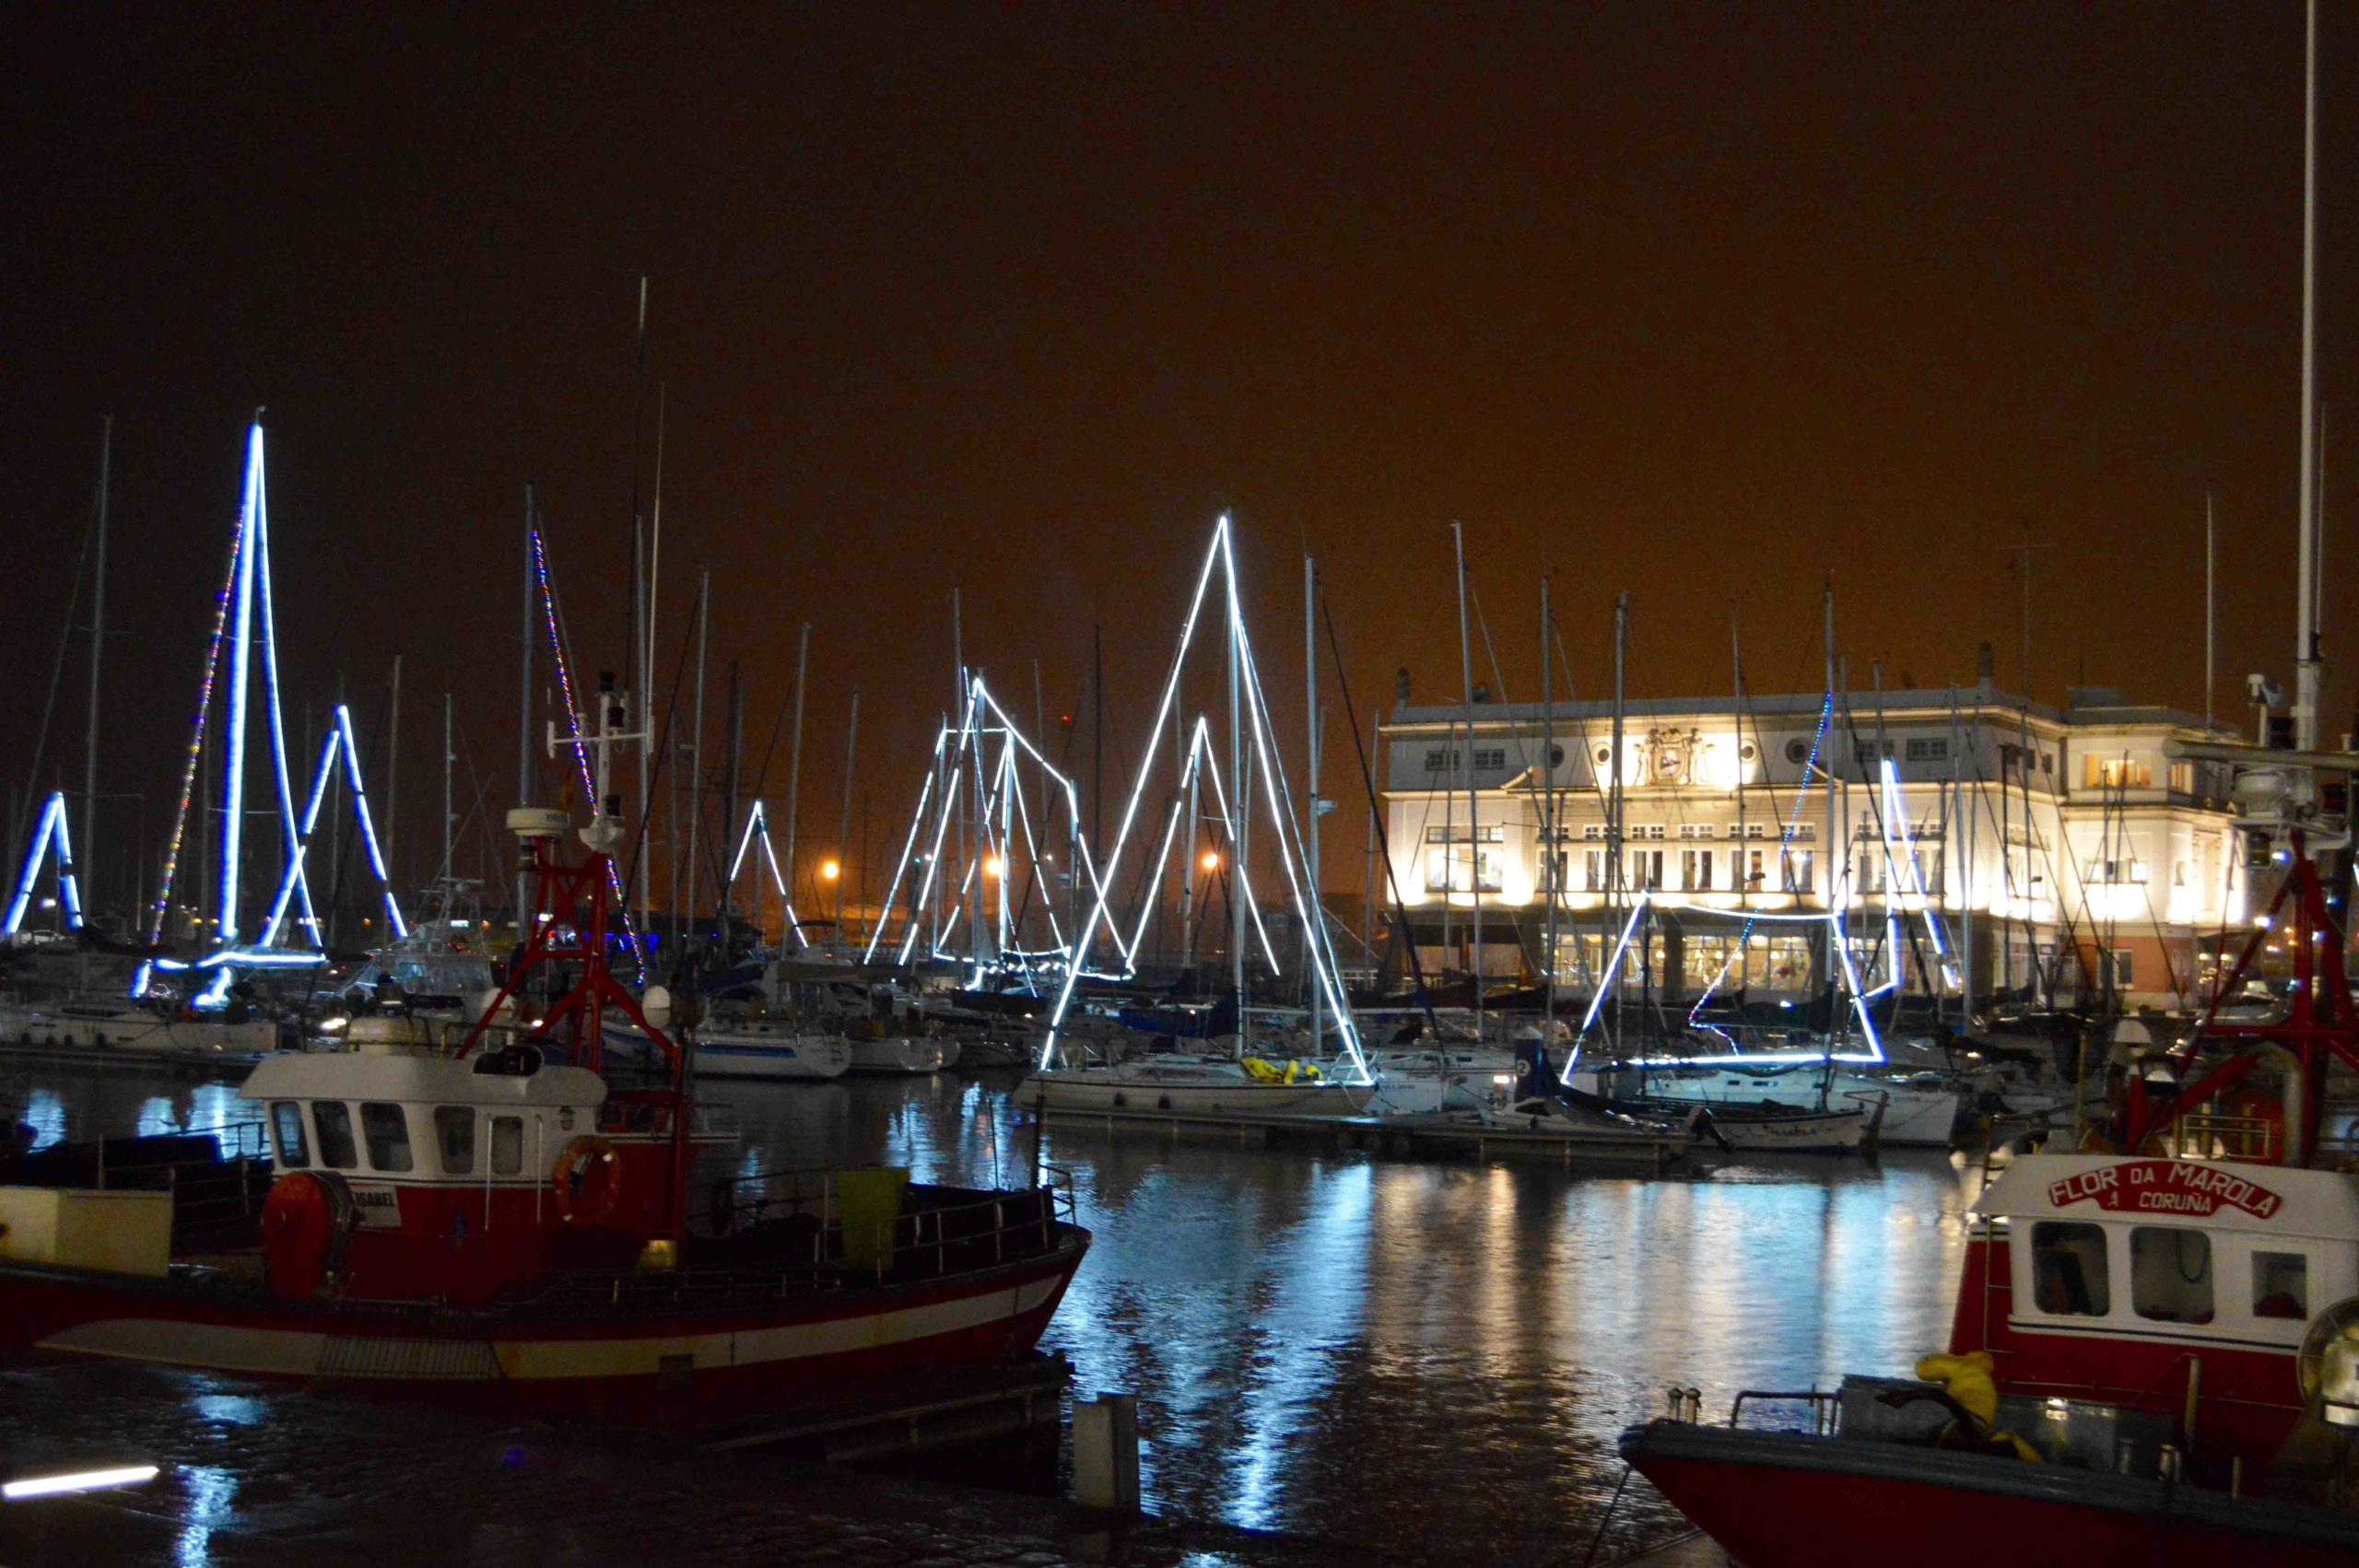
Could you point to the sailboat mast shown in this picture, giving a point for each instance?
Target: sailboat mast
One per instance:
(2306, 637)
(1310, 804)
(1836, 934)
(734, 759)
(447, 758)
(795, 756)
(1552, 849)
(645, 677)
(2211, 617)
(1613, 820)
(393, 767)
(696, 741)
(1474, 812)
(843, 835)
(524, 709)
(98, 646)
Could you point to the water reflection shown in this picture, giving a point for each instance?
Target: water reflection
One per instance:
(1374, 1352)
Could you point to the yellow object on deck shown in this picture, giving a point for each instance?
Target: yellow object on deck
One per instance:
(867, 1205)
(114, 1230)
(1967, 1380)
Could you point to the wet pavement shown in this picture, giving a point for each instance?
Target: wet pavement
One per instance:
(1336, 1358)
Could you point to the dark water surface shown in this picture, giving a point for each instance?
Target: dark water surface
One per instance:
(1411, 1361)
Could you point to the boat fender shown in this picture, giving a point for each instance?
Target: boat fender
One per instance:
(588, 1177)
(307, 1225)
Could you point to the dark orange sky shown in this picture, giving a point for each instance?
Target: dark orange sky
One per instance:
(1696, 302)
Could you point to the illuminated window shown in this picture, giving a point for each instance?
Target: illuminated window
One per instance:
(1695, 870)
(454, 1133)
(1593, 870)
(1453, 868)
(387, 1131)
(334, 1121)
(2182, 778)
(2115, 773)
(286, 1122)
(1794, 871)
(2068, 1276)
(2280, 1285)
(1645, 868)
(2170, 1273)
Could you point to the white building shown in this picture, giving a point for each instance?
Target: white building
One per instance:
(1969, 838)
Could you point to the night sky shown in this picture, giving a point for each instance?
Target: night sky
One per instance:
(1700, 302)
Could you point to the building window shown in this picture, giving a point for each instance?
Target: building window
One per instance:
(1646, 869)
(2117, 773)
(1491, 758)
(455, 1132)
(387, 1131)
(1754, 873)
(1490, 834)
(2182, 778)
(1593, 832)
(1442, 761)
(1935, 749)
(1455, 868)
(2170, 1273)
(2117, 873)
(1555, 756)
(1652, 831)
(1593, 870)
(2280, 1285)
(2118, 968)
(287, 1121)
(1796, 751)
(332, 1121)
(1696, 830)
(1695, 870)
(1793, 870)
(1868, 755)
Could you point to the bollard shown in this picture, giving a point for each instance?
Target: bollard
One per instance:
(1106, 1453)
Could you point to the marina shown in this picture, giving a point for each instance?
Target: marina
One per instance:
(850, 788)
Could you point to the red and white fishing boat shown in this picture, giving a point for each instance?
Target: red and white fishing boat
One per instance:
(2156, 1353)
(498, 1224)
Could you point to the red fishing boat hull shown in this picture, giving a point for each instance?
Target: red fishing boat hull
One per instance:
(685, 1363)
(1789, 1500)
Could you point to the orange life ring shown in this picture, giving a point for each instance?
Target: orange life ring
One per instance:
(307, 1223)
(589, 1180)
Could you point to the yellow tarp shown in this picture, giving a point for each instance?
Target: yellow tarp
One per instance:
(868, 1203)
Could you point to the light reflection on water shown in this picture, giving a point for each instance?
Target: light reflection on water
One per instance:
(1364, 1351)
(1356, 1348)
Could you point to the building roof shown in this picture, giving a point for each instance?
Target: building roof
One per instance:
(2089, 705)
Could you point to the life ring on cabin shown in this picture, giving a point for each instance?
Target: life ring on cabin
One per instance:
(588, 1177)
(307, 1225)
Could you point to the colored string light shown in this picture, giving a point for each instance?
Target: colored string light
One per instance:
(573, 724)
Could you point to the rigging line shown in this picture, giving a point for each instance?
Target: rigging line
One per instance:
(1376, 818)
(57, 670)
(663, 754)
(1498, 682)
(197, 742)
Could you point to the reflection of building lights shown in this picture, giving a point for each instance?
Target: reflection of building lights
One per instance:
(1212, 860)
(829, 871)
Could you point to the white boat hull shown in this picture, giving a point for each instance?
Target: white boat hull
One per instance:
(134, 1031)
(900, 1054)
(1913, 1116)
(1101, 1089)
(807, 1056)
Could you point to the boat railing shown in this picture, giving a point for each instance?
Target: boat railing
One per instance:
(932, 1231)
(218, 1175)
(1823, 1405)
(2205, 1134)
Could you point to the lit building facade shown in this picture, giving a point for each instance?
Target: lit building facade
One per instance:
(1972, 842)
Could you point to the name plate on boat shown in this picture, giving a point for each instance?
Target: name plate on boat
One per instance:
(380, 1207)
(2164, 1186)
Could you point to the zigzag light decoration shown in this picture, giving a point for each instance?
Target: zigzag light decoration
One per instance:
(50, 840)
(1003, 818)
(759, 820)
(1278, 797)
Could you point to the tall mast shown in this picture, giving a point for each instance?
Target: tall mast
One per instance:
(2210, 620)
(2306, 637)
(1614, 816)
(1310, 804)
(1551, 845)
(645, 677)
(1474, 813)
(843, 835)
(524, 710)
(447, 757)
(1837, 933)
(695, 741)
(98, 646)
(1238, 799)
(794, 756)
(393, 767)
(729, 811)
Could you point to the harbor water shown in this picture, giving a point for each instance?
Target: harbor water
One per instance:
(1335, 1355)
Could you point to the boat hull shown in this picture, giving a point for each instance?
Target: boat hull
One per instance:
(132, 1032)
(1090, 1090)
(1789, 1500)
(794, 1056)
(640, 1366)
(900, 1054)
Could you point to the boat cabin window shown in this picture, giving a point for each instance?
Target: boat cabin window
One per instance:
(454, 1130)
(2068, 1276)
(388, 1133)
(507, 1145)
(2280, 1285)
(286, 1122)
(334, 1121)
(2170, 1273)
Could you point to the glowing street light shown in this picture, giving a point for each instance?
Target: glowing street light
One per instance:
(829, 871)
(994, 866)
(1212, 859)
